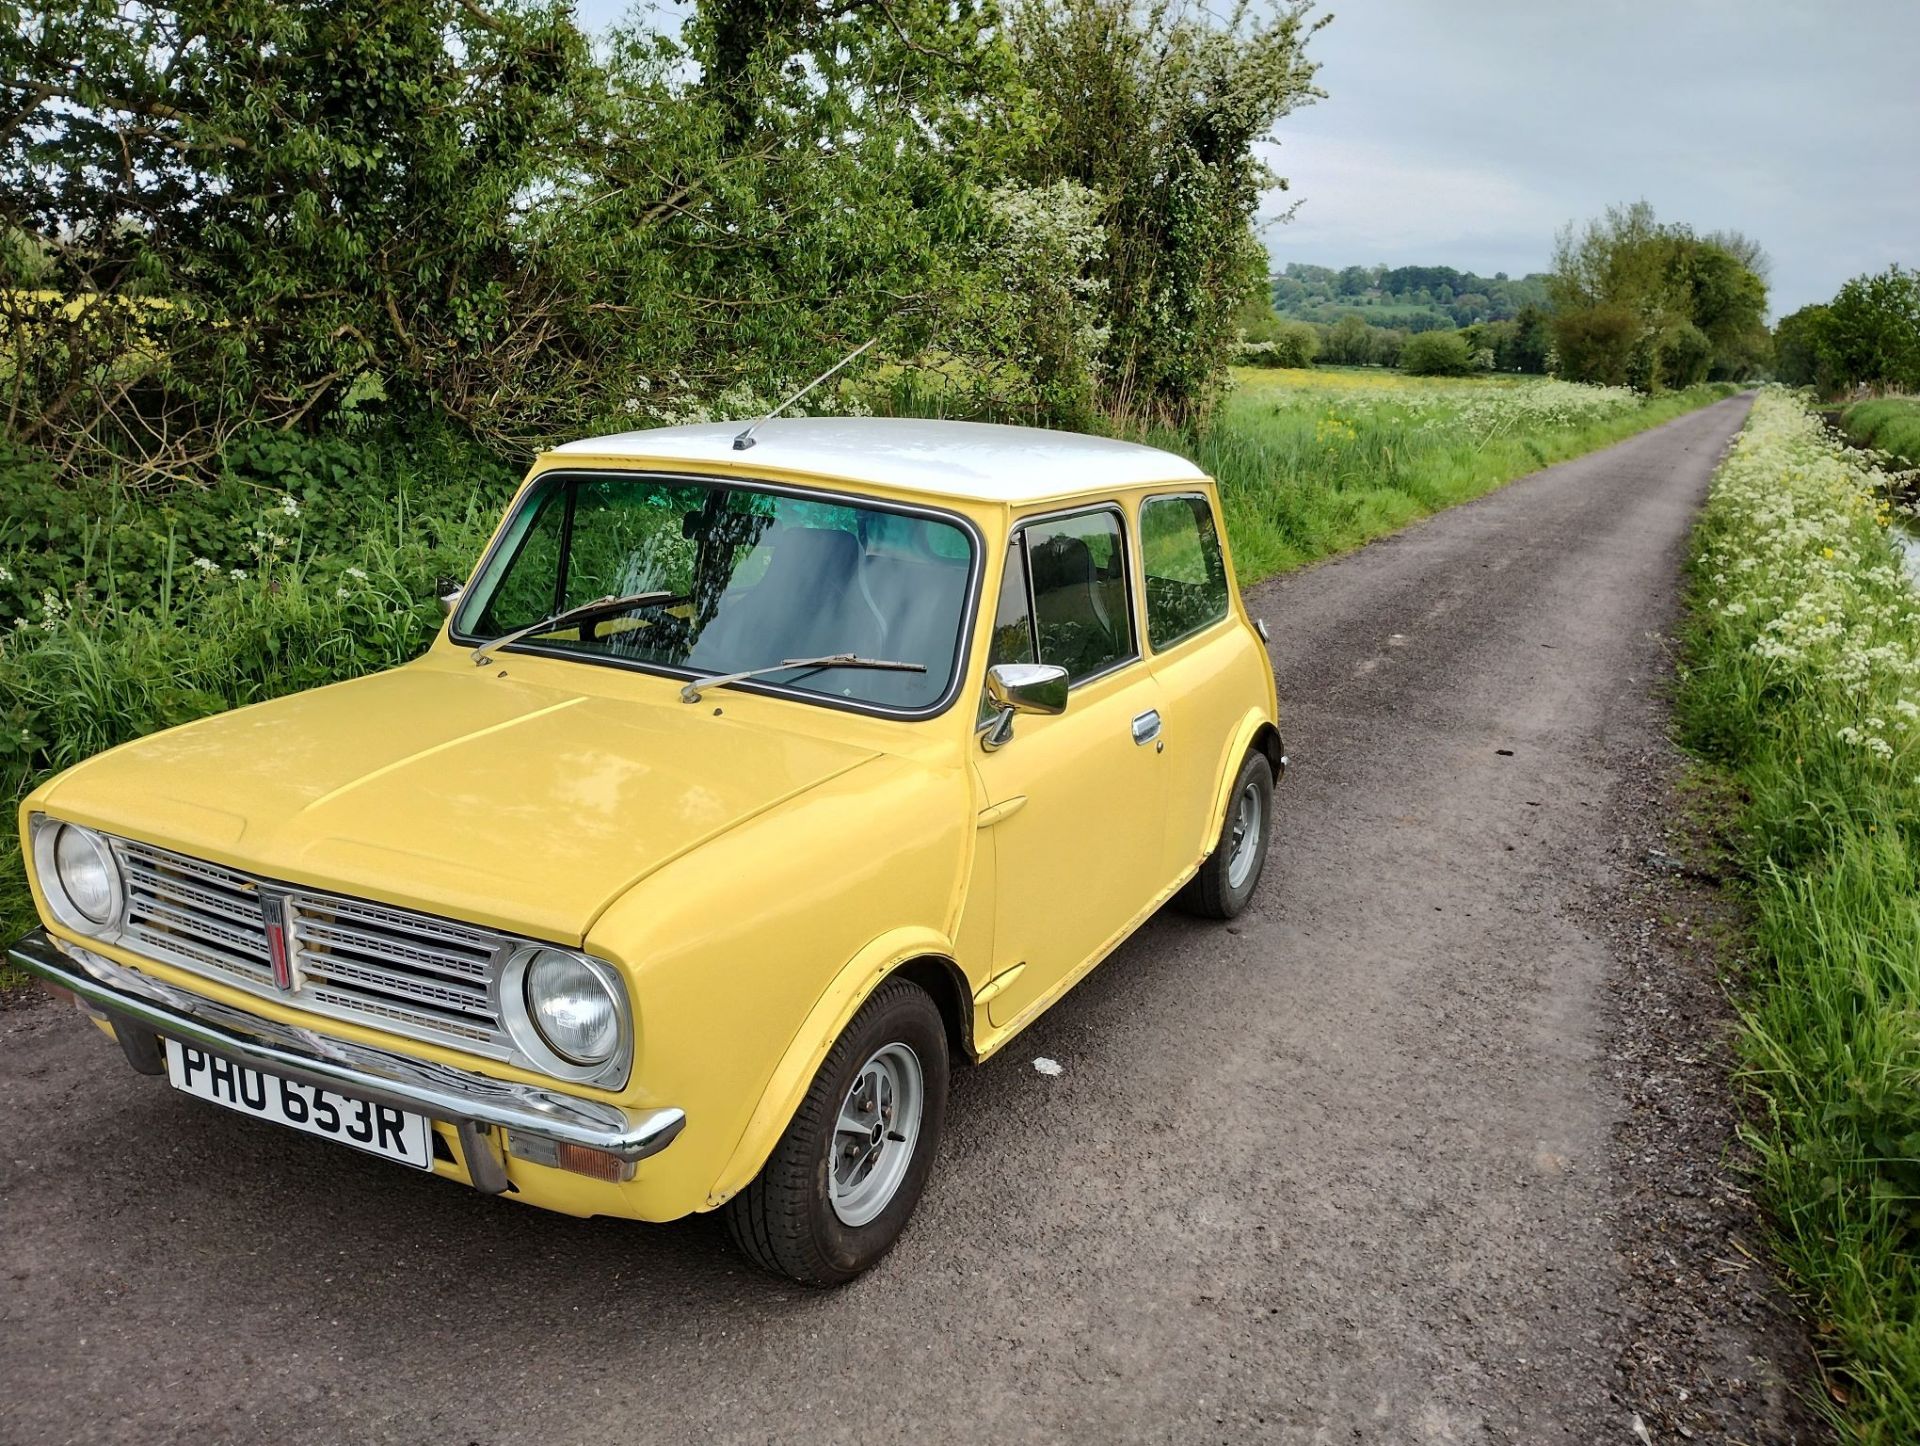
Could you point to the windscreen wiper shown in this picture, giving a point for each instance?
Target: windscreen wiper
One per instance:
(691, 693)
(583, 613)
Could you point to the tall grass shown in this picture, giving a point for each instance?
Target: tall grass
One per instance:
(1803, 681)
(1311, 465)
(1892, 424)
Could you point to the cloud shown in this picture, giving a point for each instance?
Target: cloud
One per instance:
(1363, 201)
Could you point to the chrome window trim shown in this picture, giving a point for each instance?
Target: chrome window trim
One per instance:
(1157, 649)
(969, 608)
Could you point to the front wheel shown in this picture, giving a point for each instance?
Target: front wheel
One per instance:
(839, 1187)
(1227, 879)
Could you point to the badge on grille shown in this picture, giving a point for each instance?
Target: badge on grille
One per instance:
(279, 941)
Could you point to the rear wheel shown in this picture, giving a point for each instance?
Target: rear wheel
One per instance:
(840, 1186)
(1227, 879)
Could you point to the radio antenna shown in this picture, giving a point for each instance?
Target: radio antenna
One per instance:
(745, 439)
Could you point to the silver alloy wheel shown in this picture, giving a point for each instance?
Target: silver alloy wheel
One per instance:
(1243, 837)
(874, 1136)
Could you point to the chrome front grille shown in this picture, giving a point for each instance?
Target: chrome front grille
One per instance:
(197, 915)
(411, 974)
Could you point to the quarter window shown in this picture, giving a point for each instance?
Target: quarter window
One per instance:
(1012, 640)
(1186, 577)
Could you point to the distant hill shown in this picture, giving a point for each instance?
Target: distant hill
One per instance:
(1413, 298)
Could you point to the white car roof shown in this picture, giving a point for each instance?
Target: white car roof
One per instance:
(976, 460)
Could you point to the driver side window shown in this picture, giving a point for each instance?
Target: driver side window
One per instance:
(1063, 598)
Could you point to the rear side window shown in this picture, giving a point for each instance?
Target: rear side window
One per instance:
(1186, 577)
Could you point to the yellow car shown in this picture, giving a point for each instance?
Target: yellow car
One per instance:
(747, 788)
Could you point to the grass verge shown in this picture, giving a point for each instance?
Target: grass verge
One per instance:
(1802, 681)
(1891, 424)
(1311, 465)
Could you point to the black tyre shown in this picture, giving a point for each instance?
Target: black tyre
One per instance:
(1227, 879)
(840, 1186)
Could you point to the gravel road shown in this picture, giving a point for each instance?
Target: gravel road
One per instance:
(1347, 1171)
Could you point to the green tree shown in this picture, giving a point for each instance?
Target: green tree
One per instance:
(1635, 300)
(1296, 345)
(251, 204)
(1349, 342)
(1388, 343)
(1159, 114)
(259, 213)
(1870, 335)
(1437, 354)
(1799, 358)
(1597, 343)
(814, 176)
(1529, 343)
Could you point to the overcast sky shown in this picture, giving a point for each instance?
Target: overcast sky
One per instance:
(1466, 132)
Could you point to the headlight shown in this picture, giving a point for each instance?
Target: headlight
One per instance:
(78, 875)
(572, 1010)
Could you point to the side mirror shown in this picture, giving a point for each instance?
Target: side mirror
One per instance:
(1021, 688)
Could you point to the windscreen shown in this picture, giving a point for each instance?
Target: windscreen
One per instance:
(752, 578)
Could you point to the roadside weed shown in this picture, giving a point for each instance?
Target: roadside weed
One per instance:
(1803, 679)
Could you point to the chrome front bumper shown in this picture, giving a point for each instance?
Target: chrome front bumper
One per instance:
(471, 1102)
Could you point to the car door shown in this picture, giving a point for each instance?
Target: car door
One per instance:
(1075, 800)
(1206, 662)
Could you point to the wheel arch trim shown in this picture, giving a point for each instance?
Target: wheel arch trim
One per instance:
(921, 953)
(1256, 732)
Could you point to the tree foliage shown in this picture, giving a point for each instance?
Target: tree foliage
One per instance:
(1349, 342)
(1416, 298)
(217, 215)
(1648, 304)
(1437, 354)
(245, 207)
(1867, 337)
(1159, 113)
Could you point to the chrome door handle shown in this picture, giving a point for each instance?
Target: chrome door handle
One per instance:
(1146, 726)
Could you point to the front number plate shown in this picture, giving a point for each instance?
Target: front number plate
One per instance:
(382, 1130)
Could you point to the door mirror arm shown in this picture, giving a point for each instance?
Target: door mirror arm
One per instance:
(1021, 688)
